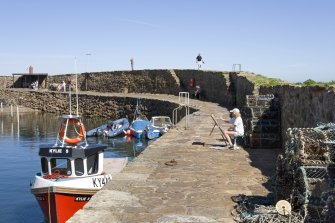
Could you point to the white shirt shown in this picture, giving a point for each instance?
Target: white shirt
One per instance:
(239, 128)
(232, 120)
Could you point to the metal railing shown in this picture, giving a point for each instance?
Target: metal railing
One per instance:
(184, 102)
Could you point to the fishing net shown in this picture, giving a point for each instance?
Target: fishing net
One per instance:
(305, 176)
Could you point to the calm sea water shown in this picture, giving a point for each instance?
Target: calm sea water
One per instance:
(19, 160)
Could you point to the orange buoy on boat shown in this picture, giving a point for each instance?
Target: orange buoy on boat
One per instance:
(80, 136)
(128, 132)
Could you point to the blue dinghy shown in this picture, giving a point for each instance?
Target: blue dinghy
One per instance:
(151, 132)
(140, 122)
(138, 127)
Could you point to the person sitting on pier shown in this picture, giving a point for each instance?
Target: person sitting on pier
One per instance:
(236, 127)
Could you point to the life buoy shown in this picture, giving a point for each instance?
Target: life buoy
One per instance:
(80, 137)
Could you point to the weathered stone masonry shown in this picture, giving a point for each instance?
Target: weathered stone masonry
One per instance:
(303, 107)
(300, 106)
(105, 106)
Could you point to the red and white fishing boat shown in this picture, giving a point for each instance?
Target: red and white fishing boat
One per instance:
(71, 171)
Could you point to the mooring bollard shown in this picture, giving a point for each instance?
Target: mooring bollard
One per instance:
(18, 121)
(17, 114)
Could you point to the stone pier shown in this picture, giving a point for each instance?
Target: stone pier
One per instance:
(184, 176)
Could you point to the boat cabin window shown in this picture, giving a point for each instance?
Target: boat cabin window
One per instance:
(93, 164)
(44, 165)
(61, 166)
(79, 166)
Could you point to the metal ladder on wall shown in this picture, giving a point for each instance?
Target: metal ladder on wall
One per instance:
(184, 102)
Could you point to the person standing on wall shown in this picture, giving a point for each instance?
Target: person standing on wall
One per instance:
(199, 61)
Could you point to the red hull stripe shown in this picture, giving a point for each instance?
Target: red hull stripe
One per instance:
(58, 208)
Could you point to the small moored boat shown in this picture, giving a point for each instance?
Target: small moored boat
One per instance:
(138, 127)
(111, 129)
(162, 123)
(140, 122)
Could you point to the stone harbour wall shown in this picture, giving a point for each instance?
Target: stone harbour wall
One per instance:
(300, 106)
(139, 81)
(214, 86)
(7, 81)
(110, 107)
(225, 88)
(303, 107)
(242, 87)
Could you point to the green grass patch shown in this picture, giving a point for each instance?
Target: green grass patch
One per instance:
(261, 80)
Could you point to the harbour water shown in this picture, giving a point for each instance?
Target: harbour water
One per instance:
(19, 161)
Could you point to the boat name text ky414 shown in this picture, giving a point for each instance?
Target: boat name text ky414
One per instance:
(100, 182)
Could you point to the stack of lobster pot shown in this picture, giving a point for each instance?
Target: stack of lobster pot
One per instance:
(263, 121)
(306, 172)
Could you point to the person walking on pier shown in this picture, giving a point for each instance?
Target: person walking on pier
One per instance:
(236, 128)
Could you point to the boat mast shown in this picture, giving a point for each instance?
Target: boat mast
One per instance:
(137, 112)
(70, 98)
(75, 67)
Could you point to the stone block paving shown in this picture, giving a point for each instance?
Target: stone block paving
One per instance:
(195, 186)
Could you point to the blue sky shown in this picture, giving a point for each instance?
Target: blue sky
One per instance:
(292, 40)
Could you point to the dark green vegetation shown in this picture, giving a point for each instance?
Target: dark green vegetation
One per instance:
(260, 80)
(311, 82)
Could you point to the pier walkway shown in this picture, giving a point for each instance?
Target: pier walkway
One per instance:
(177, 179)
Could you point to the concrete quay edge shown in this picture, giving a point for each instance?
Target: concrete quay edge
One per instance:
(184, 176)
